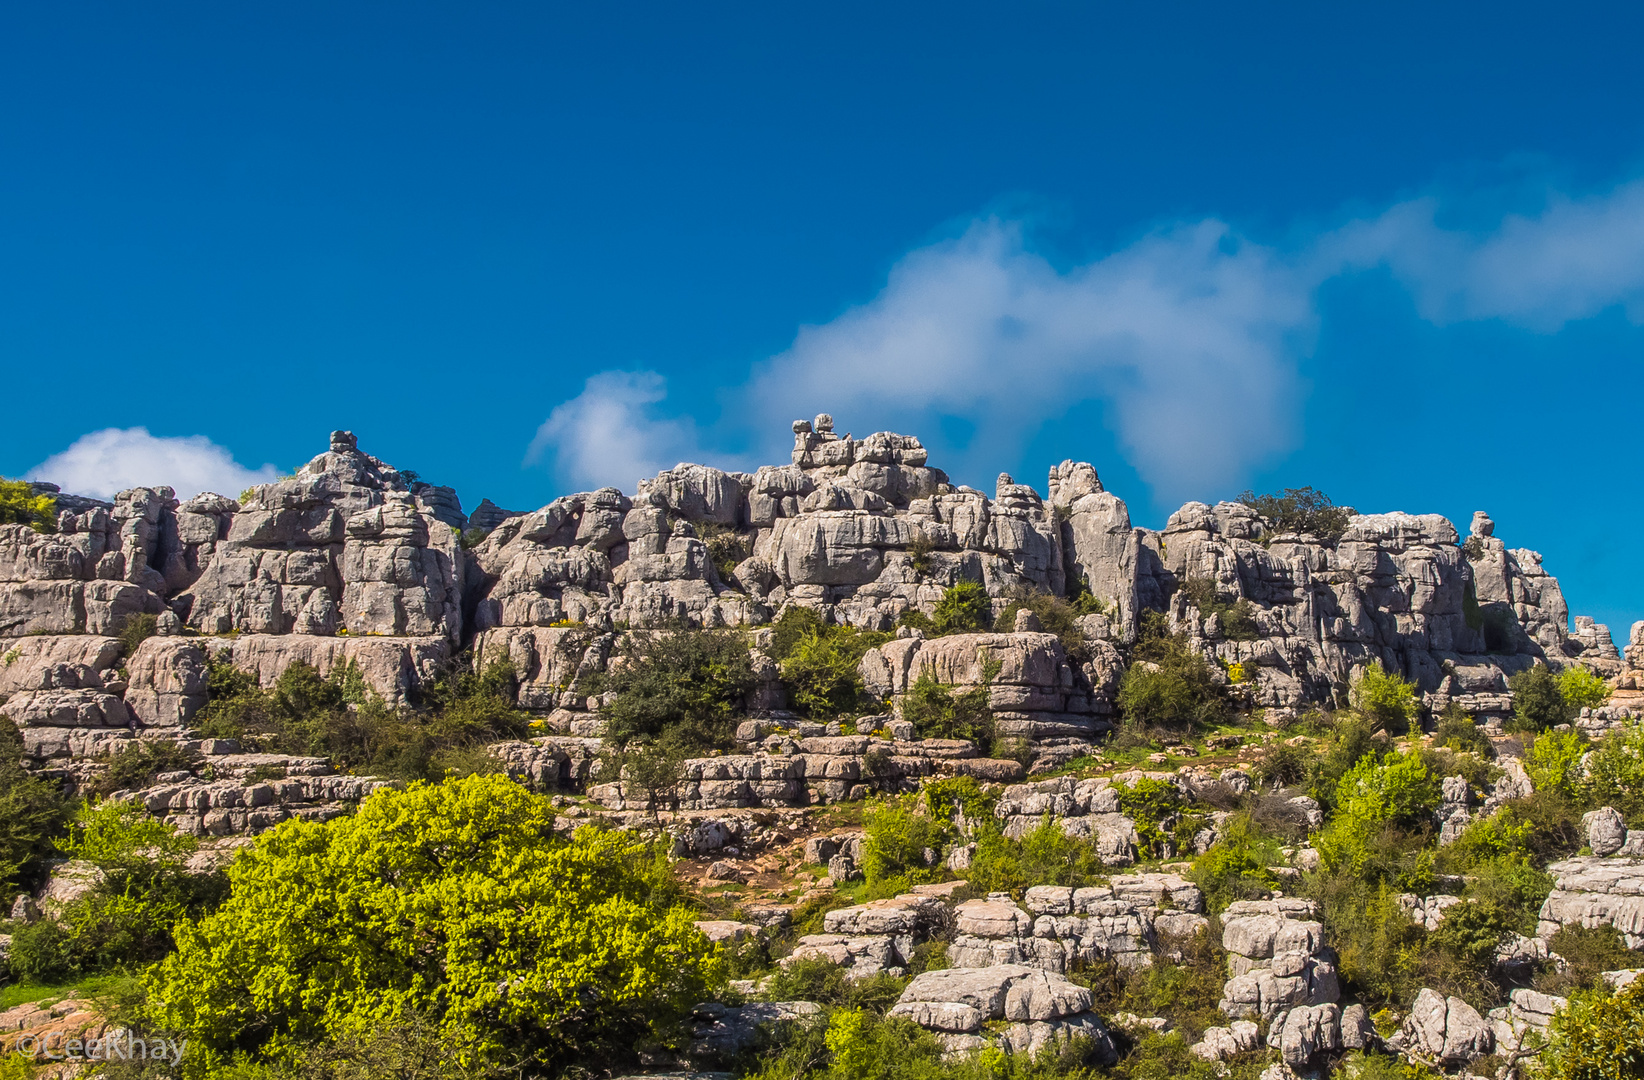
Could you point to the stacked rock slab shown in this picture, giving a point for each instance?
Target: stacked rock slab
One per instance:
(872, 938)
(1591, 891)
(1042, 1008)
(1277, 958)
(1444, 1031)
(1035, 692)
(344, 544)
(1121, 922)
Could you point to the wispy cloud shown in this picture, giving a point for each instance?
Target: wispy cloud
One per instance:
(1188, 341)
(611, 434)
(1188, 336)
(104, 462)
(1571, 261)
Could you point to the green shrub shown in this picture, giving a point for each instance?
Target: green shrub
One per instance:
(901, 847)
(1351, 740)
(136, 765)
(1237, 616)
(691, 684)
(1396, 791)
(1388, 700)
(1300, 510)
(1044, 856)
(1458, 730)
(1283, 765)
(136, 630)
(337, 716)
(794, 625)
(1176, 691)
(1236, 866)
(1600, 1036)
(963, 609)
(726, 547)
(937, 711)
(33, 812)
(920, 549)
(1581, 689)
(126, 919)
(457, 901)
(1537, 702)
(1056, 616)
(19, 505)
(1587, 953)
(1554, 761)
(1615, 773)
(947, 797)
(820, 671)
(1378, 947)
(1147, 802)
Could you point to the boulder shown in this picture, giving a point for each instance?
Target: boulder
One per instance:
(1446, 1030)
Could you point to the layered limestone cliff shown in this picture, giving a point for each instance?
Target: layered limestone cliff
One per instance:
(350, 560)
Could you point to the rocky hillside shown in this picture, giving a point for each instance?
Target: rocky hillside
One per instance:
(1280, 787)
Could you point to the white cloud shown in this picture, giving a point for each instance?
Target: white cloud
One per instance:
(609, 435)
(1189, 336)
(1571, 261)
(1187, 343)
(104, 462)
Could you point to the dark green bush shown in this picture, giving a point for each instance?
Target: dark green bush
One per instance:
(337, 716)
(1237, 616)
(939, 712)
(1587, 952)
(1056, 616)
(136, 630)
(1174, 691)
(820, 671)
(901, 846)
(963, 609)
(1235, 866)
(1537, 703)
(136, 765)
(691, 684)
(33, 812)
(1044, 856)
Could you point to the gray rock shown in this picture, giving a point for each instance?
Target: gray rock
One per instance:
(1446, 1030)
(1303, 1033)
(1221, 1043)
(723, 1031)
(1606, 830)
(1357, 1031)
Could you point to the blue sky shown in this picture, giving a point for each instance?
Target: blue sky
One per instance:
(1392, 251)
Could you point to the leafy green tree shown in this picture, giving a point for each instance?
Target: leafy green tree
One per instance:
(1235, 867)
(820, 670)
(1397, 790)
(963, 609)
(33, 811)
(1537, 702)
(456, 902)
(1301, 510)
(689, 685)
(19, 505)
(1581, 689)
(1598, 1037)
(1387, 699)
(1554, 761)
